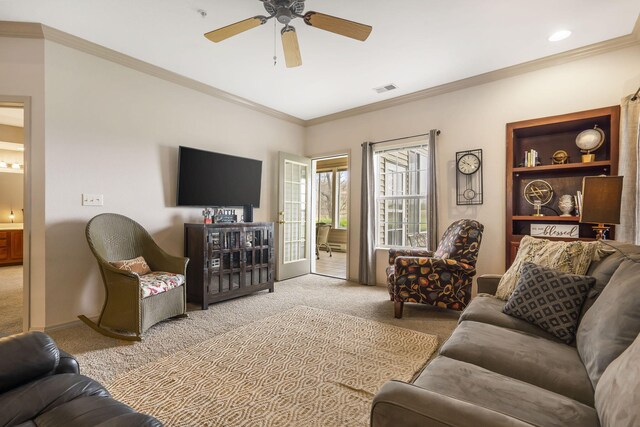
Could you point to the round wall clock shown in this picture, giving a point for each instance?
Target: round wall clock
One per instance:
(468, 164)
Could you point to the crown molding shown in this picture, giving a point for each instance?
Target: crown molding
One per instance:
(26, 30)
(35, 30)
(622, 42)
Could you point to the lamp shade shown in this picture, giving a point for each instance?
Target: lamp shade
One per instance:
(601, 198)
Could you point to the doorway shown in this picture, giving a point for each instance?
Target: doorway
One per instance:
(12, 161)
(330, 215)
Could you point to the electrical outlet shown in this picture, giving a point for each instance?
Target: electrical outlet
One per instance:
(92, 200)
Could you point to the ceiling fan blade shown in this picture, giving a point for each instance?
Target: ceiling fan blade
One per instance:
(235, 29)
(340, 26)
(291, 47)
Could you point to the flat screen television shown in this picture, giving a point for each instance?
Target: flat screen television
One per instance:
(212, 179)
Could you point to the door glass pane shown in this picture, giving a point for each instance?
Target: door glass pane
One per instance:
(324, 191)
(295, 212)
(343, 195)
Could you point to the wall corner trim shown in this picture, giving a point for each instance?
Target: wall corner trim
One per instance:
(36, 30)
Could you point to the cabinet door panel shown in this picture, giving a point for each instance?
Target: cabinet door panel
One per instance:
(16, 245)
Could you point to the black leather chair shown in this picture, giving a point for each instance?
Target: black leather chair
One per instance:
(42, 386)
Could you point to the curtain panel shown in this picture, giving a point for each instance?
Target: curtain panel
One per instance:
(432, 193)
(367, 265)
(629, 230)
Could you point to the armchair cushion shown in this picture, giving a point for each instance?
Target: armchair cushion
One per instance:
(136, 265)
(394, 253)
(159, 281)
(440, 282)
(461, 242)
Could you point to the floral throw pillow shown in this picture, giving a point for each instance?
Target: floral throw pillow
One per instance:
(549, 299)
(137, 265)
(567, 257)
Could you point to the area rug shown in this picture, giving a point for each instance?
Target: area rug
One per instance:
(302, 367)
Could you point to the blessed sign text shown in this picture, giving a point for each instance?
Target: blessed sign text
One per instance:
(554, 230)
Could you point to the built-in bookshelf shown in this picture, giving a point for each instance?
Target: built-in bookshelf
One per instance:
(545, 136)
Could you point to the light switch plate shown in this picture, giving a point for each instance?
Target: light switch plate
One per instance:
(92, 200)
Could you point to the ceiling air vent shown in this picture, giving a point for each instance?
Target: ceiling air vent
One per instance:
(385, 88)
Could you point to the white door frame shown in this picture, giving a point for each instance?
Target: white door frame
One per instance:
(314, 159)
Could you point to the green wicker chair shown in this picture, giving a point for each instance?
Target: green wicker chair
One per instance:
(114, 237)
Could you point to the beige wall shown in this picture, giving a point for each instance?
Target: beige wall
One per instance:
(11, 196)
(114, 131)
(476, 118)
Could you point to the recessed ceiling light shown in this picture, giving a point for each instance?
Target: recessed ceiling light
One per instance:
(559, 35)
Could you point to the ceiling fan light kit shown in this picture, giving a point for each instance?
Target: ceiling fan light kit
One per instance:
(284, 11)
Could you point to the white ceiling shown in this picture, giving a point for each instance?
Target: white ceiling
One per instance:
(416, 44)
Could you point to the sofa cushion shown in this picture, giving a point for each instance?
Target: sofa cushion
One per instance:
(547, 364)
(30, 400)
(488, 309)
(500, 393)
(613, 322)
(612, 253)
(39, 357)
(618, 391)
(94, 411)
(549, 299)
(568, 257)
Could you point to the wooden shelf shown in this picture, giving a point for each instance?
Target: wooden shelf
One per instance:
(546, 136)
(566, 167)
(546, 218)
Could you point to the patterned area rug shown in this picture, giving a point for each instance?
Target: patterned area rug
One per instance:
(302, 367)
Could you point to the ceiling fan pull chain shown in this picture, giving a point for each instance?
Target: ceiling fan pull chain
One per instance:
(275, 58)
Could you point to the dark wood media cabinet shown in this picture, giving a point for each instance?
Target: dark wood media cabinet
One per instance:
(228, 260)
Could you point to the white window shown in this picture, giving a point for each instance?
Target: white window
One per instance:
(401, 196)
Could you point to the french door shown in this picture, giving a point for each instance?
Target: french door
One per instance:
(294, 188)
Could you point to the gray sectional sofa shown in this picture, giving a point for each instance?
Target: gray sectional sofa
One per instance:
(496, 370)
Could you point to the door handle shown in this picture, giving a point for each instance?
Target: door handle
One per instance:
(281, 222)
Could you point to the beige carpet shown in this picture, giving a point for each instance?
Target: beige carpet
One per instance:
(10, 300)
(301, 367)
(103, 358)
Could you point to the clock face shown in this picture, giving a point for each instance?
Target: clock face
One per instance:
(468, 164)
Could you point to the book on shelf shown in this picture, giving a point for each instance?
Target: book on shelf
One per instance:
(531, 158)
(578, 203)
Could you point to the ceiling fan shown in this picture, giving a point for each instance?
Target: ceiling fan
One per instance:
(285, 11)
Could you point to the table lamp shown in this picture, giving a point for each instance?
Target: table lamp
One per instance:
(601, 199)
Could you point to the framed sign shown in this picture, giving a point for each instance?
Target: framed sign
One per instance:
(555, 230)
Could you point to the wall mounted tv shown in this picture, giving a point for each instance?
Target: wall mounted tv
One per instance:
(213, 179)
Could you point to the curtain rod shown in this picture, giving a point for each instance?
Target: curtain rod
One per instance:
(404, 137)
(635, 96)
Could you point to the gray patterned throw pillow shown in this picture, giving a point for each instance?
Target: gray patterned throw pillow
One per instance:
(549, 299)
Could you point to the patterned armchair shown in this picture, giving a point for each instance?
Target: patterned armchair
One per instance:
(443, 278)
